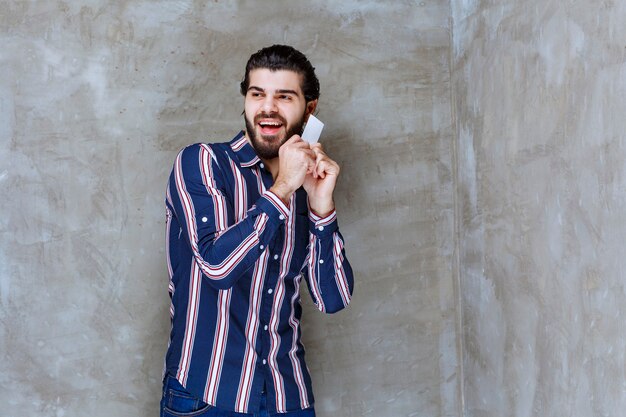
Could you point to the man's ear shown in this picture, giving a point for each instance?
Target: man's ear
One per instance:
(310, 108)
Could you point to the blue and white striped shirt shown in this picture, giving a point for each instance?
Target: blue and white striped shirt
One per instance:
(236, 256)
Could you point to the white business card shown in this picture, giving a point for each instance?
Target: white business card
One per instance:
(312, 130)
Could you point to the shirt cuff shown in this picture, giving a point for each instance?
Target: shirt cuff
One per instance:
(323, 226)
(271, 204)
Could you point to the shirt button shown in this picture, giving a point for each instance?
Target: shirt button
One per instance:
(275, 257)
(264, 362)
(204, 220)
(265, 327)
(320, 228)
(261, 247)
(321, 261)
(270, 291)
(281, 217)
(262, 165)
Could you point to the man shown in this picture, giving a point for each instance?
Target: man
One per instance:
(247, 221)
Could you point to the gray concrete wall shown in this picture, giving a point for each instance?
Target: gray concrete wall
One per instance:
(539, 96)
(97, 97)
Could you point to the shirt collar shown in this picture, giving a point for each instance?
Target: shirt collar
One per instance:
(244, 151)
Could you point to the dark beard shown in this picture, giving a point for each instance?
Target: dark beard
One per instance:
(267, 147)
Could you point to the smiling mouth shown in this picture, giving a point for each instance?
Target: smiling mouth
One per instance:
(269, 127)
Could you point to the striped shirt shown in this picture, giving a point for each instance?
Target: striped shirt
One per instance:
(236, 256)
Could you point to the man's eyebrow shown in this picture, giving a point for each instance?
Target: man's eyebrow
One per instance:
(280, 91)
(295, 93)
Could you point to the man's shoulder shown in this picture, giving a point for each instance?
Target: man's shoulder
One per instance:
(218, 155)
(219, 152)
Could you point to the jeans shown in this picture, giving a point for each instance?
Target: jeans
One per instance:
(176, 402)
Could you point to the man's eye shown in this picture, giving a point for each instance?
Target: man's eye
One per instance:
(285, 97)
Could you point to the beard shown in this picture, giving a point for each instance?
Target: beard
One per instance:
(266, 146)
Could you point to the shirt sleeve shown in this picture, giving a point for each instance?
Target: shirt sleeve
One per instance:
(329, 274)
(223, 247)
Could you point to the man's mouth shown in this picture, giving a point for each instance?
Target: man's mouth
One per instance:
(269, 126)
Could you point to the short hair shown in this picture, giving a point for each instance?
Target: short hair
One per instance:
(284, 57)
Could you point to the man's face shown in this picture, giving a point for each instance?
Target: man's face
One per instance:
(275, 109)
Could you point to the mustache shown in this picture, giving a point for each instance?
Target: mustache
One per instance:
(264, 115)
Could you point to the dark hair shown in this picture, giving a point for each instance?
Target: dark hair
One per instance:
(284, 57)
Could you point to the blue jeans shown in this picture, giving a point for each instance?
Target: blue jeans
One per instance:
(176, 402)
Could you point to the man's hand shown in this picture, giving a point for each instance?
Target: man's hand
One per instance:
(320, 183)
(296, 159)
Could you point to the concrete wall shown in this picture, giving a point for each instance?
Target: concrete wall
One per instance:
(539, 91)
(97, 97)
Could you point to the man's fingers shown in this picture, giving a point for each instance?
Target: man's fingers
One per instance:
(293, 139)
(318, 164)
(319, 155)
(296, 142)
(326, 166)
(322, 167)
(309, 160)
(317, 148)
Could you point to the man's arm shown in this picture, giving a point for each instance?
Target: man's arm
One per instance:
(222, 246)
(330, 277)
(329, 274)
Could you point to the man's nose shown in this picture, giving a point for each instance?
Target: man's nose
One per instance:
(269, 105)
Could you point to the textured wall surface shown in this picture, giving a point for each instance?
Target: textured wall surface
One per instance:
(539, 93)
(97, 97)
